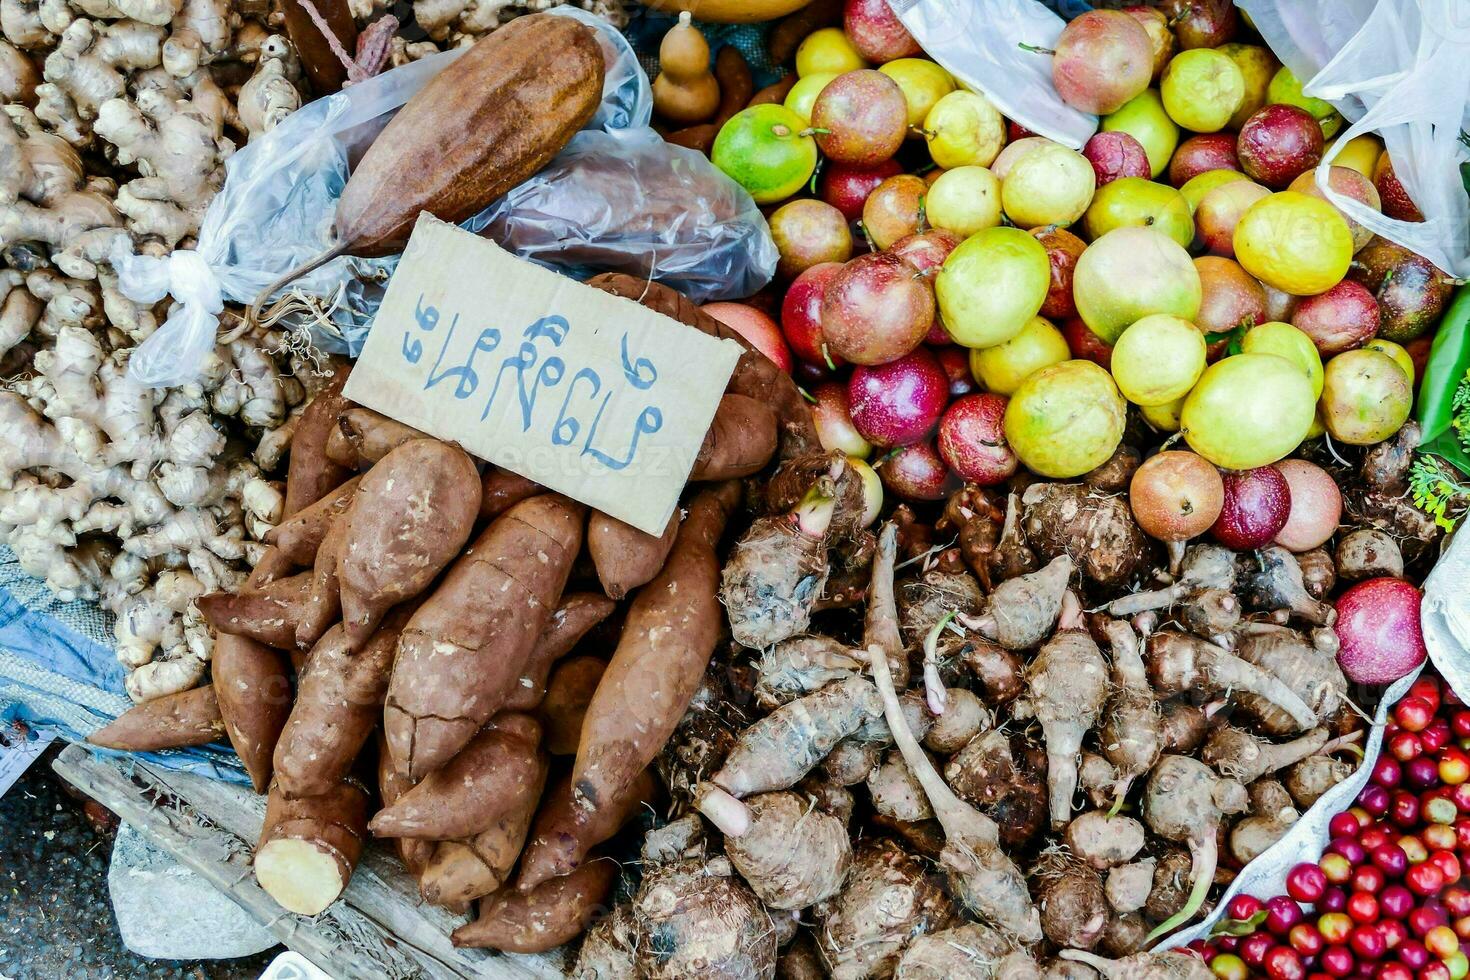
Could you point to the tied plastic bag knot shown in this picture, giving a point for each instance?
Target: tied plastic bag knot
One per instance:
(172, 354)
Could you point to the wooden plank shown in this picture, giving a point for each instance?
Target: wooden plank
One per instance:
(380, 928)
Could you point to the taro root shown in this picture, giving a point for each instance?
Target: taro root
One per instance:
(1367, 553)
(1095, 529)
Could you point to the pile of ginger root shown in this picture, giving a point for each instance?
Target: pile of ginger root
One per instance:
(982, 741)
(118, 119)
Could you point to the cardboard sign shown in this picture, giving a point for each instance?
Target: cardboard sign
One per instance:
(587, 393)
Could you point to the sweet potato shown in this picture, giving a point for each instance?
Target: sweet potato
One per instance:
(794, 28)
(413, 514)
(174, 721)
(310, 475)
(564, 833)
(577, 614)
(740, 441)
(361, 437)
(309, 847)
(557, 912)
(339, 701)
(500, 490)
(323, 604)
(755, 375)
(415, 854)
(467, 645)
(667, 641)
(462, 871)
(569, 692)
(624, 556)
(299, 536)
(269, 614)
(252, 682)
(323, 68)
(485, 781)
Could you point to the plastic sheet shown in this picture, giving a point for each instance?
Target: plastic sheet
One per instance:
(1398, 68)
(979, 43)
(616, 199)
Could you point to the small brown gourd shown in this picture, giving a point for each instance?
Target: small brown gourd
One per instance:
(685, 91)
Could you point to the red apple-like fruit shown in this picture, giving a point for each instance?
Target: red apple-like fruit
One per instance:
(808, 233)
(1156, 25)
(755, 327)
(926, 251)
(833, 419)
(1230, 296)
(1316, 506)
(1176, 495)
(801, 315)
(895, 209)
(1257, 504)
(861, 117)
(956, 364)
(972, 439)
(898, 403)
(1278, 143)
(1202, 23)
(918, 473)
(1086, 345)
(1103, 58)
(877, 33)
(1198, 154)
(877, 309)
(1015, 131)
(1063, 249)
(1411, 290)
(847, 187)
(1115, 155)
(1344, 317)
(1219, 212)
(1395, 197)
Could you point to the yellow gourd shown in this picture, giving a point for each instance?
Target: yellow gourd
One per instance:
(685, 90)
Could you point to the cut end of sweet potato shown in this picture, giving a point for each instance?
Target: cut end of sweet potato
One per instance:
(300, 875)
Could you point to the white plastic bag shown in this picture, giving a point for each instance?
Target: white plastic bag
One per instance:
(673, 216)
(979, 43)
(1400, 68)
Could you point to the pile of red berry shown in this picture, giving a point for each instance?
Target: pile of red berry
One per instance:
(1386, 901)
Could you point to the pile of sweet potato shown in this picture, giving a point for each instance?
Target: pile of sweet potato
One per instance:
(452, 657)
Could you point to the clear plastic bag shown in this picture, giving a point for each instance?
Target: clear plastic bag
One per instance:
(979, 43)
(1398, 68)
(617, 198)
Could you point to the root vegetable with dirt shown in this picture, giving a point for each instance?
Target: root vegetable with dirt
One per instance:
(1185, 802)
(1066, 686)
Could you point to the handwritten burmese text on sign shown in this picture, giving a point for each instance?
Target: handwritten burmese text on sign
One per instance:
(587, 393)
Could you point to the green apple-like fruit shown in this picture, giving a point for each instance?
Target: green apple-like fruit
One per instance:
(1366, 396)
(1132, 202)
(1248, 410)
(1065, 419)
(1130, 273)
(992, 285)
